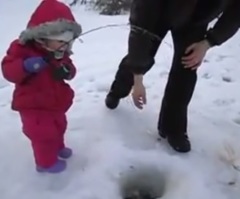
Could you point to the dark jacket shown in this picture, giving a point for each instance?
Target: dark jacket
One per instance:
(174, 14)
(153, 15)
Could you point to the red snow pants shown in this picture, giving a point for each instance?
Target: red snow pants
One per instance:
(45, 130)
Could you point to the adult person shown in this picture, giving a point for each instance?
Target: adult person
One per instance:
(188, 22)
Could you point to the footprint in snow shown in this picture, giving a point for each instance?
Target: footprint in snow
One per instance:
(237, 120)
(96, 95)
(90, 90)
(102, 88)
(206, 76)
(224, 102)
(91, 79)
(221, 58)
(206, 61)
(3, 105)
(227, 79)
(164, 74)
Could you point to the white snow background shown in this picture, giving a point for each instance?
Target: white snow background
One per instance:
(109, 143)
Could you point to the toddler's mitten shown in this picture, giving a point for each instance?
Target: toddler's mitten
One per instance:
(34, 64)
(61, 73)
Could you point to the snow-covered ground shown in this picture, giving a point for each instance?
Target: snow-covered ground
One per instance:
(108, 144)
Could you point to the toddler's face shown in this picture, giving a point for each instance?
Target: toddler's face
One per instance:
(57, 45)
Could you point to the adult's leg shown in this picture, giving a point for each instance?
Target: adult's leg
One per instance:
(179, 90)
(123, 82)
(142, 47)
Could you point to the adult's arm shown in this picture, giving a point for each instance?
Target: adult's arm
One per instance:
(226, 26)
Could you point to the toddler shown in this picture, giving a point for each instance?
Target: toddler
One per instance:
(38, 63)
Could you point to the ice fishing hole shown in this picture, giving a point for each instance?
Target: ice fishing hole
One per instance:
(142, 183)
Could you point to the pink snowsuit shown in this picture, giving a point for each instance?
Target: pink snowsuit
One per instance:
(41, 100)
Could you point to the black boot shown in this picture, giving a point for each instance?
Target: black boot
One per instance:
(179, 142)
(111, 101)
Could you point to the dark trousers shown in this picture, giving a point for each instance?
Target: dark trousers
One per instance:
(180, 85)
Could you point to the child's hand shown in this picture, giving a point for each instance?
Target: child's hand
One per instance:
(61, 73)
(34, 64)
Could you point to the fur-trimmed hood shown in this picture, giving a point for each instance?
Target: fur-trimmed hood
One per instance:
(51, 17)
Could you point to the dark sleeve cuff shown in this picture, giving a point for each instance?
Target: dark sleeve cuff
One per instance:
(140, 69)
(211, 39)
(139, 58)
